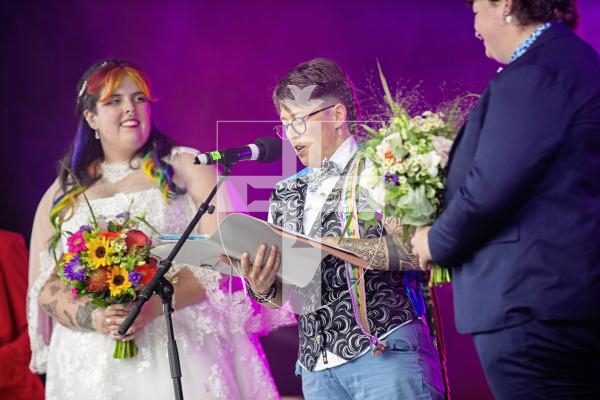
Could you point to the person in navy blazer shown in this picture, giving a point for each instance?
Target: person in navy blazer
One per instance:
(521, 227)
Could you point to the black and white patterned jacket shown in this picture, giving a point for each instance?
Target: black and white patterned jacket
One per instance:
(332, 326)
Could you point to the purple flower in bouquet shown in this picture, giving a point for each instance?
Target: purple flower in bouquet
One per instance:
(124, 215)
(85, 228)
(391, 178)
(74, 270)
(135, 277)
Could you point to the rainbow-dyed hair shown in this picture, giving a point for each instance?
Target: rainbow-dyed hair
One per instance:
(102, 83)
(78, 168)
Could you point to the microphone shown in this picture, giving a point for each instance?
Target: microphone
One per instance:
(264, 150)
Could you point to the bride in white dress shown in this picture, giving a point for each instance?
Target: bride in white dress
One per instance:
(219, 353)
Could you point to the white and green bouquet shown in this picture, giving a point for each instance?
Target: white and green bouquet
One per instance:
(406, 173)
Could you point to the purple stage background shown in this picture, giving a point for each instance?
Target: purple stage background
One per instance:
(218, 61)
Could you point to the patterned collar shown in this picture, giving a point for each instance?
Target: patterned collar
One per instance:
(526, 44)
(328, 169)
(331, 167)
(342, 154)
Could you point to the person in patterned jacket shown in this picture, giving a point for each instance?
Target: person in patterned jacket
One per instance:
(366, 337)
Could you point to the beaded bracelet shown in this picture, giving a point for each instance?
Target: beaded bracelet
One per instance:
(264, 298)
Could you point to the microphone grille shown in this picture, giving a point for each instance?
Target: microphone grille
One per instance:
(270, 149)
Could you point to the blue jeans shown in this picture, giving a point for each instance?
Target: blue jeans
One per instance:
(408, 369)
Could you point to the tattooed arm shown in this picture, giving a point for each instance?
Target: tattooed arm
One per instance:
(387, 253)
(55, 298)
(81, 314)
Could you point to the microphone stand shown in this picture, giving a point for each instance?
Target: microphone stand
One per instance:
(164, 289)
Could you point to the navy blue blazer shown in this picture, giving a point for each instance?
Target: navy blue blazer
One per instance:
(521, 228)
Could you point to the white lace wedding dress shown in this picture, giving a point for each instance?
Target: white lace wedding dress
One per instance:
(219, 352)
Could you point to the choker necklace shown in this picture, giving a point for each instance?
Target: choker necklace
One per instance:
(114, 172)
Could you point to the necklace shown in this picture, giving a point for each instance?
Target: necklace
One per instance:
(114, 172)
(523, 47)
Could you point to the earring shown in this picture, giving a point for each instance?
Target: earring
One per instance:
(507, 17)
(339, 131)
(96, 135)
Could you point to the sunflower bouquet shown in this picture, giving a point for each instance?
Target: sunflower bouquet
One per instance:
(110, 262)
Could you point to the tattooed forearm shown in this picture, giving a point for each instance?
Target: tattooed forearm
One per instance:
(400, 255)
(371, 251)
(50, 308)
(389, 253)
(69, 317)
(54, 289)
(56, 299)
(392, 225)
(400, 252)
(84, 316)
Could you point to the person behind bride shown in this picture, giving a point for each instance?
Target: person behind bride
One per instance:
(125, 163)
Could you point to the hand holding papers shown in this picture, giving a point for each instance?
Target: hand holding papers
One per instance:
(239, 233)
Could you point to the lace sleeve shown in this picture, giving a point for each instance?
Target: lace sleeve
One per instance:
(248, 317)
(41, 265)
(175, 151)
(208, 278)
(240, 313)
(39, 323)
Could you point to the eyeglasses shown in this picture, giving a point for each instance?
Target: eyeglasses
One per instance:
(298, 124)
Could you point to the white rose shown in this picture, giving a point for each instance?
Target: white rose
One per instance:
(430, 163)
(370, 177)
(378, 193)
(381, 149)
(442, 146)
